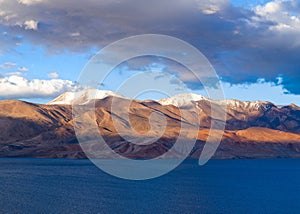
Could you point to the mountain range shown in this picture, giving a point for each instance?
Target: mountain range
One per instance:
(252, 129)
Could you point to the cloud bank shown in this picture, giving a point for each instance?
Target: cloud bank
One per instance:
(17, 87)
(243, 44)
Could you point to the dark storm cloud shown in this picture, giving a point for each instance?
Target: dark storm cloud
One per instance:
(243, 45)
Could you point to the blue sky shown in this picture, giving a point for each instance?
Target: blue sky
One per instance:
(40, 63)
(248, 3)
(253, 45)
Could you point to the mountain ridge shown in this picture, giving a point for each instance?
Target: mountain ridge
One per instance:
(177, 100)
(252, 129)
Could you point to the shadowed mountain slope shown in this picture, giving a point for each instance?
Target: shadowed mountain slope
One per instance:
(252, 129)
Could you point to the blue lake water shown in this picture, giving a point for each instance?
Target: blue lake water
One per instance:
(221, 186)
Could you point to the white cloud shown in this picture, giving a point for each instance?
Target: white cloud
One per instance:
(31, 25)
(284, 13)
(29, 2)
(23, 68)
(16, 73)
(76, 34)
(212, 6)
(16, 87)
(53, 75)
(269, 8)
(8, 65)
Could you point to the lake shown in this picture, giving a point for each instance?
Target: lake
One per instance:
(221, 186)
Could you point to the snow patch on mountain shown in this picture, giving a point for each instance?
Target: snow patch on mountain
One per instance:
(236, 104)
(82, 97)
(182, 99)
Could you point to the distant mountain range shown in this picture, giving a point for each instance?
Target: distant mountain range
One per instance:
(252, 129)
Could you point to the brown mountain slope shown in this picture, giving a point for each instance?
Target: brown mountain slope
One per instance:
(243, 115)
(262, 130)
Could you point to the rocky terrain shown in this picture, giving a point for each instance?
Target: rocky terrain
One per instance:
(252, 129)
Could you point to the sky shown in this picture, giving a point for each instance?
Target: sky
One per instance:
(254, 46)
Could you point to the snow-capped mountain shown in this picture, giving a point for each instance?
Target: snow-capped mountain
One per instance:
(252, 129)
(82, 97)
(237, 104)
(182, 99)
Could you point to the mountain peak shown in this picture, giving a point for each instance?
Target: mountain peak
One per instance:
(182, 99)
(68, 98)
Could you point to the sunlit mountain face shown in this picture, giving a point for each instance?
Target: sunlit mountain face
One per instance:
(252, 129)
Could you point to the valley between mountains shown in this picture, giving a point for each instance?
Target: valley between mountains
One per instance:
(252, 129)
